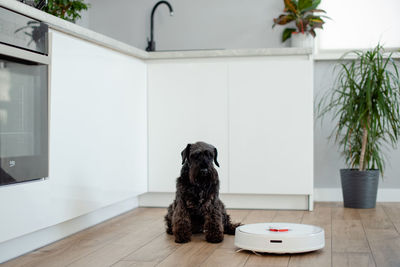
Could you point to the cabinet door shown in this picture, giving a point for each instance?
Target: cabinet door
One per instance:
(271, 126)
(98, 128)
(187, 102)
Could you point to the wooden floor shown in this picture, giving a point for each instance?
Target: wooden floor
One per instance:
(353, 238)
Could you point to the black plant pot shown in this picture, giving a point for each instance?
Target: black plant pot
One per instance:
(359, 188)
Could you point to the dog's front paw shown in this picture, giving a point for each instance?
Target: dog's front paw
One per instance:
(169, 231)
(182, 239)
(215, 237)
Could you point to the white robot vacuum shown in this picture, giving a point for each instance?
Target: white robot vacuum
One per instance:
(279, 237)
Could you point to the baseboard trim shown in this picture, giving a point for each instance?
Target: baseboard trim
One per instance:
(335, 194)
(256, 201)
(21, 245)
(235, 201)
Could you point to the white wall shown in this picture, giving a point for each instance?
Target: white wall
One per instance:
(210, 24)
(372, 23)
(196, 24)
(98, 139)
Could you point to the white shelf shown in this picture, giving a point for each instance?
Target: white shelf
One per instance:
(338, 54)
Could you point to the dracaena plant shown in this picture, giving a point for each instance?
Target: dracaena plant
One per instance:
(66, 9)
(302, 13)
(365, 101)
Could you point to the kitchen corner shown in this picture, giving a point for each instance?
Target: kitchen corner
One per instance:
(114, 156)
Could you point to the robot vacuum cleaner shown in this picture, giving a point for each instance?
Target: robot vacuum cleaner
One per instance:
(279, 237)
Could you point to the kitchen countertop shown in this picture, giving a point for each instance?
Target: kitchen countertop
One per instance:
(89, 35)
(285, 51)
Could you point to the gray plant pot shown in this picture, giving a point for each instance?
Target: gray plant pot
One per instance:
(359, 188)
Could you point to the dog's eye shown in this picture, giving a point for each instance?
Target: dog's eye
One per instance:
(195, 155)
(208, 154)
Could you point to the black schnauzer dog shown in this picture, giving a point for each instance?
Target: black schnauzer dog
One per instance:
(197, 207)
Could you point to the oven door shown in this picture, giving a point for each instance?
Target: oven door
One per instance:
(23, 115)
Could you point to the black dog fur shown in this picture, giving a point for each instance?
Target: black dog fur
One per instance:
(197, 207)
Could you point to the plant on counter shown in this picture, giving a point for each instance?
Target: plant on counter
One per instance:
(66, 9)
(302, 13)
(366, 102)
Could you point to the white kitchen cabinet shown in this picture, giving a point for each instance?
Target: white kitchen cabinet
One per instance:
(271, 126)
(258, 111)
(97, 146)
(187, 102)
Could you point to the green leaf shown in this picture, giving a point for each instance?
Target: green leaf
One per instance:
(315, 10)
(303, 4)
(283, 19)
(291, 6)
(314, 5)
(315, 19)
(287, 33)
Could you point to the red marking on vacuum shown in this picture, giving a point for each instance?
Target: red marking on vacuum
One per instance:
(278, 230)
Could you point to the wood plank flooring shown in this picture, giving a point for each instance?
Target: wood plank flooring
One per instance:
(354, 237)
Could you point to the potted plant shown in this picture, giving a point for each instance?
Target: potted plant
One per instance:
(65, 9)
(365, 100)
(302, 13)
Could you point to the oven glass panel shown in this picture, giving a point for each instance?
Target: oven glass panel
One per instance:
(23, 32)
(23, 120)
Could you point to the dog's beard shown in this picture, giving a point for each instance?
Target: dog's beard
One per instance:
(200, 176)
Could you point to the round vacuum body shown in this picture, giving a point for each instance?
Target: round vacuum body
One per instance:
(279, 237)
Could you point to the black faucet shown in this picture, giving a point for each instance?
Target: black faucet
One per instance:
(151, 45)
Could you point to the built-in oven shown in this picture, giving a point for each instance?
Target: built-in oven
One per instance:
(24, 97)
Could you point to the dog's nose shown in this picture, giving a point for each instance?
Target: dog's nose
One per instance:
(204, 171)
(204, 165)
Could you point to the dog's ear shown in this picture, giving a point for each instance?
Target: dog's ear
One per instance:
(215, 157)
(185, 153)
